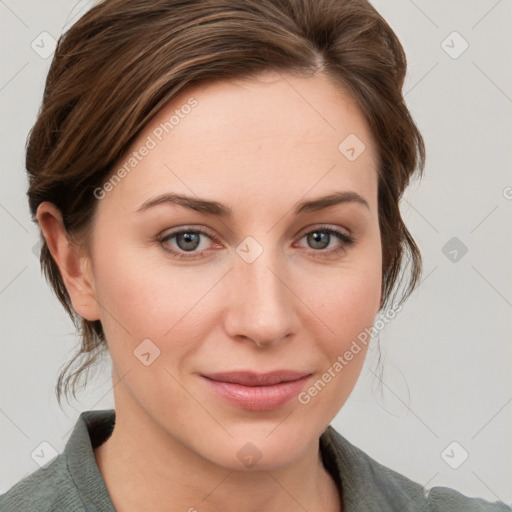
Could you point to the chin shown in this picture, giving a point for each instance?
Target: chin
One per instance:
(258, 448)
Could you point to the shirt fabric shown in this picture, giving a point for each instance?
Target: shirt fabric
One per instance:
(72, 481)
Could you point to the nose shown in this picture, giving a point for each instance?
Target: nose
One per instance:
(261, 306)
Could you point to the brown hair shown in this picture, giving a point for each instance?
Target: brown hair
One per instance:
(125, 59)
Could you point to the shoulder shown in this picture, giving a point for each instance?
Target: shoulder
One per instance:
(442, 499)
(71, 482)
(367, 484)
(47, 489)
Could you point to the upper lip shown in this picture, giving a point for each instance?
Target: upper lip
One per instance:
(248, 378)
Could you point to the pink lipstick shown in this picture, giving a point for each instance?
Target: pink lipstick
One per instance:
(257, 391)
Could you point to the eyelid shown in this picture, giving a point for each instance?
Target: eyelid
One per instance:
(323, 227)
(185, 228)
(168, 234)
(345, 239)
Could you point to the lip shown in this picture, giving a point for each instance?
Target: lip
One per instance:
(257, 391)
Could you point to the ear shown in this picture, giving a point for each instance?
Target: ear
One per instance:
(75, 266)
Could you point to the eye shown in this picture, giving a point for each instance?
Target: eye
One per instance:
(187, 242)
(327, 240)
(190, 243)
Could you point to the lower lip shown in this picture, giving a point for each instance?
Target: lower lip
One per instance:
(258, 398)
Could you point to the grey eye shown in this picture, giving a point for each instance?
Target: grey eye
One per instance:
(318, 239)
(188, 241)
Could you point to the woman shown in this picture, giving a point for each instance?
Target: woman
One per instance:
(218, 184)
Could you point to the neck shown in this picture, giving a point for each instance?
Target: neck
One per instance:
(144, 468)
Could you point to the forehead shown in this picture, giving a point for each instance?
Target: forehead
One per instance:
(240, 138)
(272, 107)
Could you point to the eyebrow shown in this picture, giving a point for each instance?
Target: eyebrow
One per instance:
(216, 208)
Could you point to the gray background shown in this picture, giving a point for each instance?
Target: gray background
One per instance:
(447, 355)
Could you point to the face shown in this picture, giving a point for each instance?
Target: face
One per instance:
(235, 261)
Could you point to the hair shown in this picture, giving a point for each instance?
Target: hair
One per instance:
(118, 65)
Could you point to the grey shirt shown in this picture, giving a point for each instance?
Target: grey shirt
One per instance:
(72, 482)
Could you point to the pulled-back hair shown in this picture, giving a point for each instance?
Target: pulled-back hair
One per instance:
(115, 68)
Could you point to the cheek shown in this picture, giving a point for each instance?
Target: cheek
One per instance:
(346, 303)
(347, 299)
(346, 308)
(144, 300)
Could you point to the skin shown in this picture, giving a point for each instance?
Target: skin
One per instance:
(257, 146)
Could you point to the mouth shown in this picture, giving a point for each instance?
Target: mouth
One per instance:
(257, 391)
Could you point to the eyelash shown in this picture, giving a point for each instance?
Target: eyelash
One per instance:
(346, 240)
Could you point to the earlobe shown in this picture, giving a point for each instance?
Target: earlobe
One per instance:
(73, 264)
